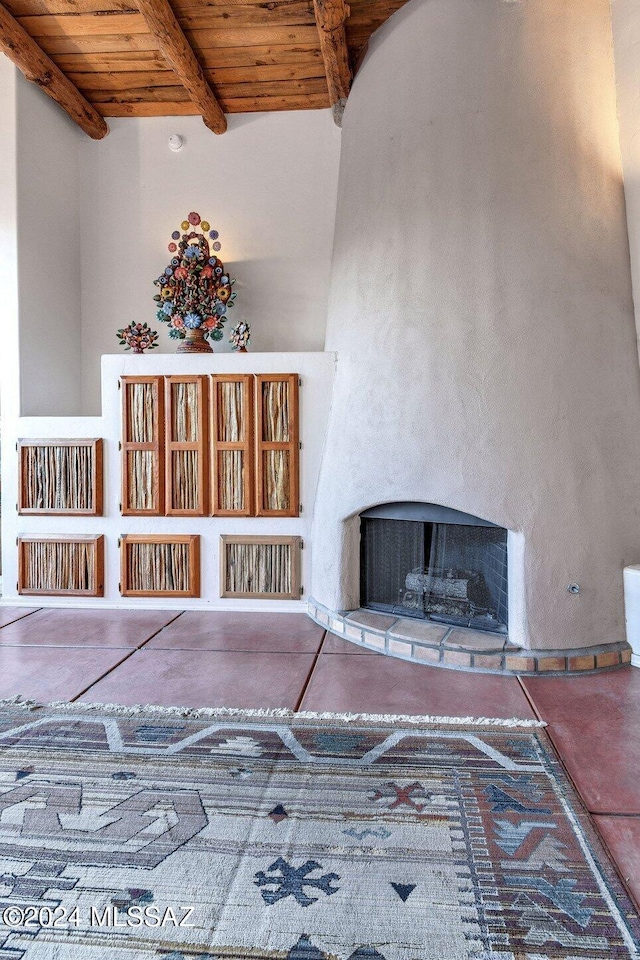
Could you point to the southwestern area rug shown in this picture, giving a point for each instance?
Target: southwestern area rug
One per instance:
(154, 835)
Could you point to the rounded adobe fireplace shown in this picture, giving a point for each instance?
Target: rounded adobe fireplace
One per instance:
(481, 308)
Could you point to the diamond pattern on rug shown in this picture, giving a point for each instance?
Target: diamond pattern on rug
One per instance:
(295, 840)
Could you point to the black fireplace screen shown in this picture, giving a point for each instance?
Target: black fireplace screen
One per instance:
(448, 572)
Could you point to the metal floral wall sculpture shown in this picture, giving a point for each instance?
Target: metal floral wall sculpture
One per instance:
(195, 289)
(137, 337)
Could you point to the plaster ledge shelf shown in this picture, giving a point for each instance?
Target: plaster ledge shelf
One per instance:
(460, 648)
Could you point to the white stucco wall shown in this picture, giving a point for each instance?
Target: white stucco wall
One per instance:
(9, 354)
(481, 304)
(626, 38)
(95, 217)
(48, 254)
(268, 186)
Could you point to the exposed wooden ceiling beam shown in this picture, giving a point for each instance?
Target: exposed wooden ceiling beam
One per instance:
(330, 19)
(37, 67)
(178, 53)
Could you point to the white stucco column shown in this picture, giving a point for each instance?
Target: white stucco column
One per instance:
(9, 353)
(481, 305)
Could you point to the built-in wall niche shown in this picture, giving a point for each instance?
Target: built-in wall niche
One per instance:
(70, 566)
(261, 568)
(155, 565)
(60, 477)
(225, 445)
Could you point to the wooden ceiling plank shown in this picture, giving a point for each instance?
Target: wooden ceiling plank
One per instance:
(260, 74)
(233, 91)
(33, 8)
(298, 13)
(36, 66)
(313, 101)
(84, 24)
(120, 79)
(233, 58)
(173, 94)
(330, 18)
(239, 105)
(181, 58)
(114, 43)
(108, 21)
(254, 36)
(215, 41)
(244, 11)
(81, 63)
(90, 82)
(273, 88)
(179, 108)
(259, 55)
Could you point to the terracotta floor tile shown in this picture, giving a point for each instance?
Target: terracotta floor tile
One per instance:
(333, 644)
(206, 678)
(270, 632)
(86, 628)
(9, 614)
(380, 684)
(48, 673)
(595, 725)
(622, 838)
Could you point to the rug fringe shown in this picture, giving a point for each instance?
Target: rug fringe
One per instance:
(421, 720)
(268, 714)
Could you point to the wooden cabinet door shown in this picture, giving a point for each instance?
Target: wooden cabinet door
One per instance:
(266, 568)
(186, 450)
(231, 431)
(159, 565)
(61, 566)
(60, 477)
(277, 445)
(142, 446)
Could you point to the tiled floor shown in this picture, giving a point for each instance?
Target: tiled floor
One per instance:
(285, 660)
(205, 678)
(377, 684)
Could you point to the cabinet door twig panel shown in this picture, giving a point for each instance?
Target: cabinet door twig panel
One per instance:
(266, 568)
(159, 565)
(60, 477)
(277, 443)
(232, 445)
(187, 470)
(61, 566)
(142, 446)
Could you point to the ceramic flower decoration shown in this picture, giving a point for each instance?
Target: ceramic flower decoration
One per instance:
(240, 337)
(195, 289)
(137, 337)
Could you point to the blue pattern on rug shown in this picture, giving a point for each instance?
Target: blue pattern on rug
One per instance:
(404, 890)
(288, 881)
(502, 802)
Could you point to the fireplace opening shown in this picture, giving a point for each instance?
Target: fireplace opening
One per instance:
(426, 561)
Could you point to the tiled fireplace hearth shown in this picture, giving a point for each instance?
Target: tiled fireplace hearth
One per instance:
(461, 648)
(434, 589)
